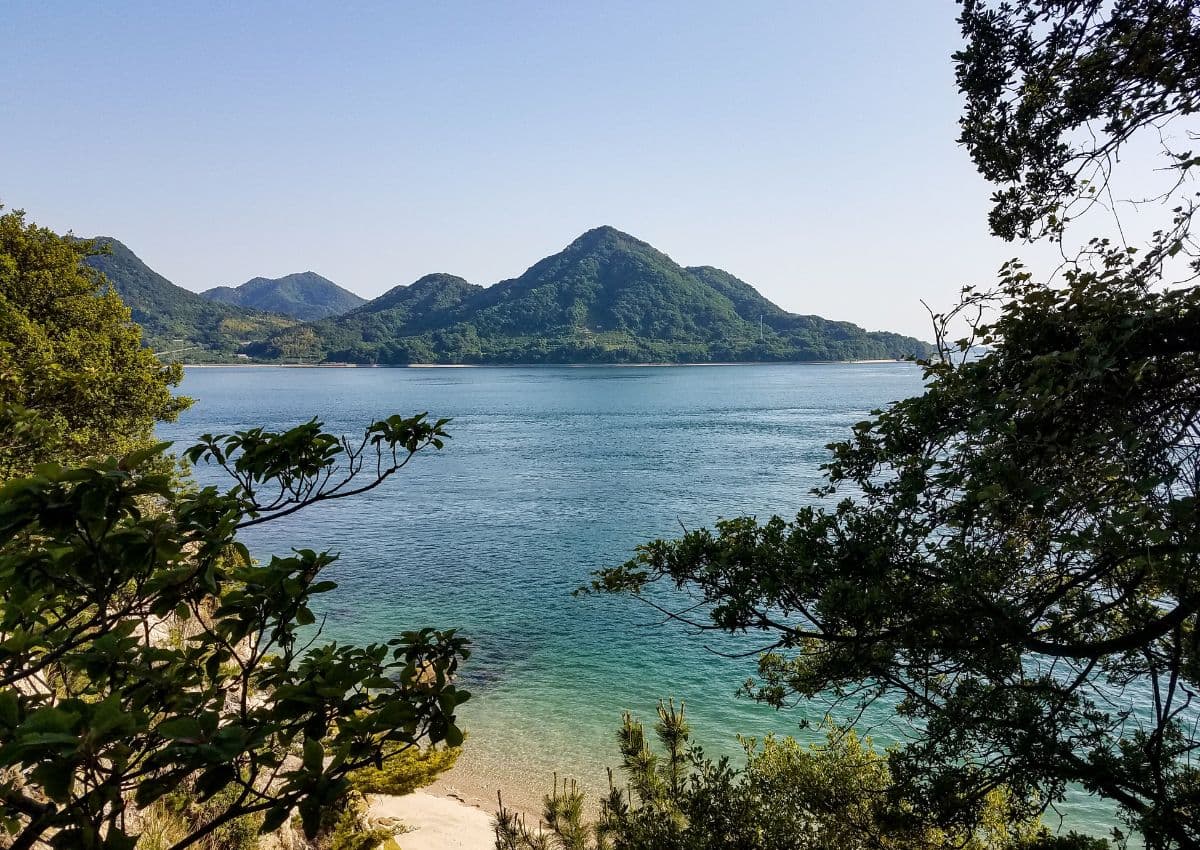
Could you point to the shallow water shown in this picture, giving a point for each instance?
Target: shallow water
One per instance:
(551, 474)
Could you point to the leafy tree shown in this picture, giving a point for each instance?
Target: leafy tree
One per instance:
(787, 797)
(143, 653)
(1016, 562)
(1057, 90)
(69, 352)
(1014, 555)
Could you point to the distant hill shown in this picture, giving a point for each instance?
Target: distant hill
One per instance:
(305, 296)
(390, 329)
(174, 319)
(606, 298)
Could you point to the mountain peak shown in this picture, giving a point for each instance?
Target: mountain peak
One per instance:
(440, 279)
(302, 295)
(302, 277)
(606, 236)
(107, 243)
(438, 290)
(173, 318)
(607, 297)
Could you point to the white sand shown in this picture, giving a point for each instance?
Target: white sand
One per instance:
(437, 823)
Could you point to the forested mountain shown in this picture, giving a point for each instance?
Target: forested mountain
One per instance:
(305, 295)
(390, 329)
(606, 298)
(174, 319)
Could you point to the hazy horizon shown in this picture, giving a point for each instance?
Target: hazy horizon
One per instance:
(808, 151)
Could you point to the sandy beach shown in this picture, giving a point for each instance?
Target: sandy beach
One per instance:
(436, 822)
(456, 811)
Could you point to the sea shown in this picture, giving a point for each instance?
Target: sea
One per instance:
(553, 473)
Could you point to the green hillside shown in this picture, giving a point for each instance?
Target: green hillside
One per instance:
(306, 296)
(606, 298)
(390, 329)
(174, 319)
(822, 338)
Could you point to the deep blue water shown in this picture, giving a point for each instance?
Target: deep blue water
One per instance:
(551, 474)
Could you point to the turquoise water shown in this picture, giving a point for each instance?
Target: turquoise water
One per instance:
(551, 474)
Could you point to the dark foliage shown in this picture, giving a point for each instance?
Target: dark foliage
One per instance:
(838, 794)
(1018, 564)
(1056, 90)
(1016, 554)
(142, 652)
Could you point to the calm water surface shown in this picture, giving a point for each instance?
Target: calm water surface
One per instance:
(551, 474)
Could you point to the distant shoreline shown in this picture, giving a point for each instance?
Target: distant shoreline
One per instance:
(527, 365)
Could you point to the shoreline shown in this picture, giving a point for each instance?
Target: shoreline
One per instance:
(457, 810)
(532, 365)
(434, 821)
(479, 777)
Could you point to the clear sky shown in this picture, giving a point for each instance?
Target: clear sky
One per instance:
(808, 148)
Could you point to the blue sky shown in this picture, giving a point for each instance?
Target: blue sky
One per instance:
(808, 148)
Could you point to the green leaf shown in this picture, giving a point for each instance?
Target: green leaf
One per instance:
(179, 728)
(135, 459)
(109, 720)
(9, 709)
(56, 779)
(213, 780)
(274, 818)
(314, 755)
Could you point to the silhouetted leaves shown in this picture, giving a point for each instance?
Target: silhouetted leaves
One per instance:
(141, 649)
